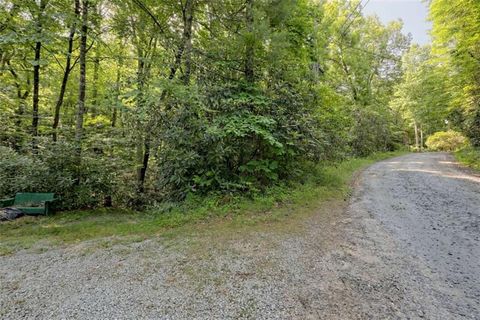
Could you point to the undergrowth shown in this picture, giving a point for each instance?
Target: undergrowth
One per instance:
(322, 183)
(470, 157)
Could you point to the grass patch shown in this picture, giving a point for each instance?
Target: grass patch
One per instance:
(323, 183)
(470, 157)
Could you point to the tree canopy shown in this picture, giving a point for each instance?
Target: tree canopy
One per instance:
(441, 81)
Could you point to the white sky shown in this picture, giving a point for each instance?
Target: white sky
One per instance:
(413, 13)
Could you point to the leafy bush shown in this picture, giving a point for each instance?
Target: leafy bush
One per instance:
(18, 172)
(469, 156)
(370, 133)
(78, 185)
(56, 169)
(236, 138)
(446, 141)
(472, 124)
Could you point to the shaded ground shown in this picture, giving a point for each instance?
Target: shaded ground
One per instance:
(406, 247)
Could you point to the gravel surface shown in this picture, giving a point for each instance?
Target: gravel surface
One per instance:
(406, 247)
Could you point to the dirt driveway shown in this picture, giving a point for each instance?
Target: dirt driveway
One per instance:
(406, 247)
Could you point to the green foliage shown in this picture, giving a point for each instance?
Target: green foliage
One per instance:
(230, 141)
(456, 34)
(472, 126)
(470, 157)
(298, 198)
(440, 87)
(446, 141)
(422, 96)
(190, 98)
(18, 172)
(55, 169)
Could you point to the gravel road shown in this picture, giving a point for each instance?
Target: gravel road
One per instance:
(406, 246)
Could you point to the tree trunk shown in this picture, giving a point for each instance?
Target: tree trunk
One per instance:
(421, 138)
(96, 66)
(66, 73)
(36, 86)
(187, 12)
(187, 35)
(249, 48)
(83, 80)
(183, 50)
(114, 118)
(117, 96)
(416, 137)
(141, 170)
(36, 73)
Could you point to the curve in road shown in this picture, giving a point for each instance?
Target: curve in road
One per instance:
(405, 247)
(431, 209)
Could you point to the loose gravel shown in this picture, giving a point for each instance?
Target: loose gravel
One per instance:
(406, 247)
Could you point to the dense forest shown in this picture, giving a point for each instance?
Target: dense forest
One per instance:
(136, 102)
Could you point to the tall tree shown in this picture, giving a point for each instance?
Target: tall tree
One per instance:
(422, 96)
(250, 42)
(68, 68)
(456, 41)
(36, 68)
(83, 78)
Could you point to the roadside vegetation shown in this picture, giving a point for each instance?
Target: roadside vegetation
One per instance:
(131, 104)
(145, 115)
(446, 141)
(295, 199)
(470, 157)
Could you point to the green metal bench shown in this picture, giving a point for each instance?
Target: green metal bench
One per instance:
(31, 203)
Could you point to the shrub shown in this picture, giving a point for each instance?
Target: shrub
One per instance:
(235, 138)
(446, 141)
(469, 156)
(18, 172)
(78, 185)
(56, 169)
